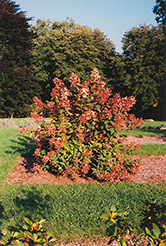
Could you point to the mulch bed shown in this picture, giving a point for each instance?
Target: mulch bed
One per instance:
(152, 169)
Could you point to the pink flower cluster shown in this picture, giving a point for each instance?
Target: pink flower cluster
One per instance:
(38, 103)
(24, 131)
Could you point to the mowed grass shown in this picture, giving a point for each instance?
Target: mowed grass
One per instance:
(147, 129)
(8, 157)
(151, 149)
(12, 146)
(74, 211)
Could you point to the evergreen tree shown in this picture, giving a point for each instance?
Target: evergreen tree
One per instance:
(17, 86)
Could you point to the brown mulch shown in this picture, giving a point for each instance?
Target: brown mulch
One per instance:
(104, 242)
(23, 173)
(146, 140)
(151, 170)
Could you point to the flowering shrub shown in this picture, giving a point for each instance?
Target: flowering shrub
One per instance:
(82, 134)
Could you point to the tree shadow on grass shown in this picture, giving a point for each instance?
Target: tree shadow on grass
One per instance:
(2, 213)
(155, 130)
(28, 202)
(33, 203)
(24, 146)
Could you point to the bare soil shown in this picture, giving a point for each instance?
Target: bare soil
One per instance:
(146, 140)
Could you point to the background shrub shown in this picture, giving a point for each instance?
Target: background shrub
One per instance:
(7, 123)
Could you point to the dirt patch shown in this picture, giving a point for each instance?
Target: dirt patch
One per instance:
(104, 242)
(151, 170)
(23, 173)
(146, 140)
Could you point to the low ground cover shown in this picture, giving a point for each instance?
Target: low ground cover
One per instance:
(9, 138)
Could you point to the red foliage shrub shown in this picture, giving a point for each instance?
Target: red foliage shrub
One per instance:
(82, 135)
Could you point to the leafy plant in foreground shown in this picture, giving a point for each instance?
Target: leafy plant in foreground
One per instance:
(154, 223)
(119, 228)
(157, 235)
(82, 134)
(31, 234)
(153, 214)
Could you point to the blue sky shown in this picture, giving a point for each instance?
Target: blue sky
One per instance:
(113, 17)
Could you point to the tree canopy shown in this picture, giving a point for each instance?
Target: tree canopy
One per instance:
(17, 85)
(31, 57)
(160, 10)
(61, 48)
(143, 49)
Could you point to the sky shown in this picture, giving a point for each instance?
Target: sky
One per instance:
(112, 17)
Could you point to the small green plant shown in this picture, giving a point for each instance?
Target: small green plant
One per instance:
(119, 228)
(153, 214)
(7, 237)
(154, 223)
(31, 234)
(157, 235)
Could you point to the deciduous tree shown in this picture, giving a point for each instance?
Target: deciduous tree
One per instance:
(64, 47)
(143, 49)
(160, 10)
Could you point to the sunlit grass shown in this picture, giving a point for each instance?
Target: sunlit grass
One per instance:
(8, 140)
(147, 129)
(12, 145)
(74, 211)
(151, 149)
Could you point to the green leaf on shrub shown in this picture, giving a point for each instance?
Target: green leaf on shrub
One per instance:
(30, 235)
(156, 230)
(122, 242)
(148, 232)
(112, 230)
(113, 208)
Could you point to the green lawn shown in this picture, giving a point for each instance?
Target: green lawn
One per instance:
(74, 211)
(8, 156)
(71, 211)
(151, 149)
(147, 129)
